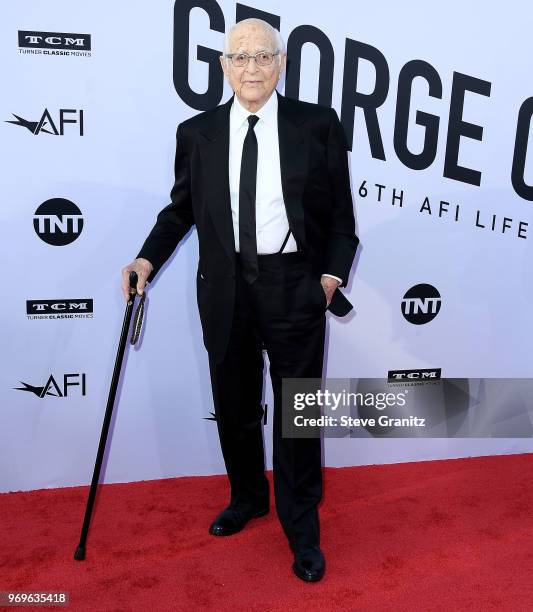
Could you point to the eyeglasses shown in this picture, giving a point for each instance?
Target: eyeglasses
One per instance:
(262, 58)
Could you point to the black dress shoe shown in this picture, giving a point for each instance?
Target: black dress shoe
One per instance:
(232, 520)
(309, 564)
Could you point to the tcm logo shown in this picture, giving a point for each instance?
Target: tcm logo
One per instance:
(428, 374)
(421, 304)
(47, 125)
(59, 309)
(54, 40)
(58, 221)
(71, 383)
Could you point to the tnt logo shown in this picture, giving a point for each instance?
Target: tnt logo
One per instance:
(58, 221)
(421, 304)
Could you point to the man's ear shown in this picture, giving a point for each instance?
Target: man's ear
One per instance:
(283, 62)
(222, 63)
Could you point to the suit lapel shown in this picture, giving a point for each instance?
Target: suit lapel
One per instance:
(293, 152)
(214, 139)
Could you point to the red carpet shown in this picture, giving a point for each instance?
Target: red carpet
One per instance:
(440, 535)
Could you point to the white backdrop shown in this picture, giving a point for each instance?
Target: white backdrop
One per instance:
(119, 173)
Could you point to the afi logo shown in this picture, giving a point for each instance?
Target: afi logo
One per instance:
(58, 221)
(421, 304)
(51, 387)
(47, 125)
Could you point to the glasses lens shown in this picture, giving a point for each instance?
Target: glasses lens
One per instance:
(264, 59)
(240, 60)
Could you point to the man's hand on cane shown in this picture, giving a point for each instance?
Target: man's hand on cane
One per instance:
(143, 268)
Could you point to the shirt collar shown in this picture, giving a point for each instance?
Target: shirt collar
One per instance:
(267, 113)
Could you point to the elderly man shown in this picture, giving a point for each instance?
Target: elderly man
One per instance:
(265, 180)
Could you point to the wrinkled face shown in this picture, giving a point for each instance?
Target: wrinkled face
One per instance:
(253, 84)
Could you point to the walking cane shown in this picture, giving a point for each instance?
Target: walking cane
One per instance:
(79, 555)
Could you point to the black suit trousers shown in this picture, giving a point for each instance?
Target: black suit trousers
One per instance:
(284, 311)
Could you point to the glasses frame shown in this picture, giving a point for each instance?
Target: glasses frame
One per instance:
(249, 57)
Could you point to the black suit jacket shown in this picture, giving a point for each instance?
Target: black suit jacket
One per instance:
(316, 191)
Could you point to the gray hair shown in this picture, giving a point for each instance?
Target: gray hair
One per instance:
(280, 45)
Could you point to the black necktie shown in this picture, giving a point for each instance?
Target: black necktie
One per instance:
(247, 239)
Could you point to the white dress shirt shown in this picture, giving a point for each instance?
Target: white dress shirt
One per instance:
(271, 223)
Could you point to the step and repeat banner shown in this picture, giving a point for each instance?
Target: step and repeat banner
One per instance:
(437, 109)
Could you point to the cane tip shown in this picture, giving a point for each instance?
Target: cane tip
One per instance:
(79, 555)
